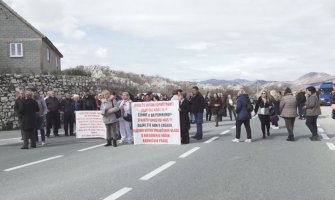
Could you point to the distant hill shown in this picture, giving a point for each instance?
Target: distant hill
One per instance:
(126, 81)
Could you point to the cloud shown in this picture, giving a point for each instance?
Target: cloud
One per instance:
(191, 39)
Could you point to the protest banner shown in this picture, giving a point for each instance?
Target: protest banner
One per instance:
(89, 124)
(156, 122)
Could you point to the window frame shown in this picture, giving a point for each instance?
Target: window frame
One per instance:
(48, 54)
(16, 54)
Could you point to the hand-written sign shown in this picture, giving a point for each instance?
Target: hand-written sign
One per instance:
(89, 124)
(156, 122)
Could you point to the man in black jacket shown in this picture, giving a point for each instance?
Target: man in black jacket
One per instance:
(28, 109)
(197, 108)
(53, 115)
(68, 106)
(88, 101)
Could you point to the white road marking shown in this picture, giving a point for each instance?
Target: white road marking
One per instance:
(157, 171)
(321, 130)
(93, 147)
(331, 146)
(233, 127)
(32, 163)
(18, 138)
(225, 132)
(324, 136)
(211, 140)
(318, 125)
(184, 155)
(119, 193)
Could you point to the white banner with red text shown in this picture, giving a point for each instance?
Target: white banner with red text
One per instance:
(156, 122)
(89, 124)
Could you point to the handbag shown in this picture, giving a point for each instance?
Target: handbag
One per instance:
(128, 117)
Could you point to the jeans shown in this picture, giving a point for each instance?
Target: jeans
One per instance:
(40, 127)
(301, 111)
(311, 123)
(68, 121)
(247, 128)
(199, 120)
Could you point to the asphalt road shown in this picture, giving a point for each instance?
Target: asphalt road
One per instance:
(213, 168)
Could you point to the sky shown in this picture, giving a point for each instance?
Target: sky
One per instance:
(191, 40)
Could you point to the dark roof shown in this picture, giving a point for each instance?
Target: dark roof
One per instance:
(44, 38)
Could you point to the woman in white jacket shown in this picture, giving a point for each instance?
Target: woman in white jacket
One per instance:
(125, 120)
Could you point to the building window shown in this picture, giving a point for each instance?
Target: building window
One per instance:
(57, 63)
(16, 49)
(48, 55)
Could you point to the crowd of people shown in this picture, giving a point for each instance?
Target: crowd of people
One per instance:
(34, 111)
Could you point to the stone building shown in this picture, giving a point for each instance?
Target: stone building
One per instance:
(24, 49)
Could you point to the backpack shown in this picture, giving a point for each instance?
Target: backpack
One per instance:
(250, 107)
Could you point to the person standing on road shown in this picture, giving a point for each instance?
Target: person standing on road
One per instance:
(288, 110)
(68, 108)
(53, 115)
(184, 109)
(231, 107)
(19, 99)
(263, 106)
(216, 107)
(243, 116)
(109, 108)
(125, 126)
(208, 106)
(197, 108)
(313, 110)
(40, 117)
(301, 100)
(28, 109)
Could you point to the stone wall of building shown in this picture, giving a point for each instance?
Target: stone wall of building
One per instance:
(10, 84)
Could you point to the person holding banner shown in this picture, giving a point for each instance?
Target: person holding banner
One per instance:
(125, 119)
(109, 110)
(184, 109)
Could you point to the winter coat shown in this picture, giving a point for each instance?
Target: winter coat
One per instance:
(313, 106)
(126, 108)
(52, 104)
(261, 104)
(108, 110)
(301, 98)
(197, 104)
(215, 109)
(67, 105)
(17, 104)
(184, 118)
(42, 106)
(242, 112)
(288, 106)
(89, 103)
(28, 110)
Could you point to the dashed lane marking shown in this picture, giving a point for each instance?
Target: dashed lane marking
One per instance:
(157, 171)
(321, 130)
(324, 136)
(184, 155)
(93, 147)
(119, 193)
(225, 132)
(331, 146)
(32, 163)
(211, 140)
